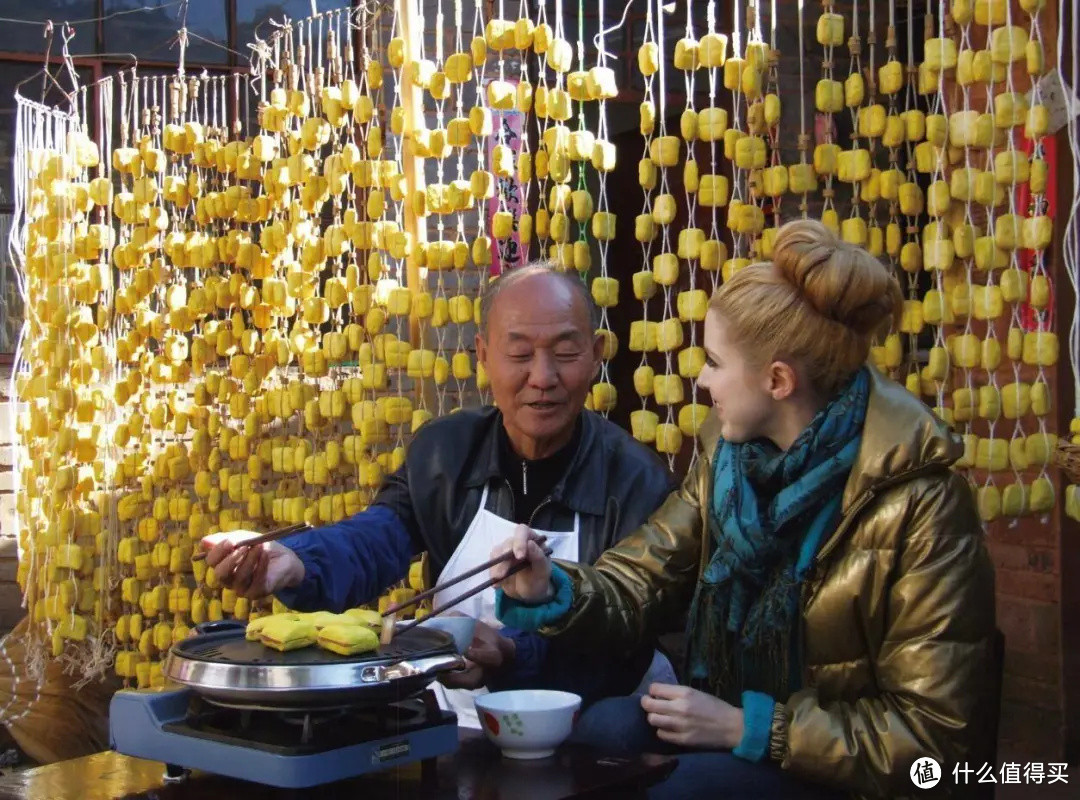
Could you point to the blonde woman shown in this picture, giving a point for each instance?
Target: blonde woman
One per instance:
(840, 596)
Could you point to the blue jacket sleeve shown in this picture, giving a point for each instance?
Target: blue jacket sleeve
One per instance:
(530, 655)
(350, 562)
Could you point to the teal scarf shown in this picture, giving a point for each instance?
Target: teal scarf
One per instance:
(770, 511)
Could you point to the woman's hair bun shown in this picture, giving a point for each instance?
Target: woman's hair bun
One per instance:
(841, 281)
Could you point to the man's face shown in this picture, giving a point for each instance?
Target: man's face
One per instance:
(541, 356)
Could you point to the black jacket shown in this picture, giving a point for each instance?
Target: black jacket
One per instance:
(613, 481)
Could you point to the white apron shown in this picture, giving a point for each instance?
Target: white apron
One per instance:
(485, 532)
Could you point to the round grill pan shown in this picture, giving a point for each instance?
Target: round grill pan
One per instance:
(222, 666)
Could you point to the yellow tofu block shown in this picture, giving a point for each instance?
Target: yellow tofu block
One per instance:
(648, 58)
(1040, 348)
(713, 190)
(686, 55)
(604, 225)
(712, 50)
(643, 338)
(664, 151)
(664, 209)
(940, 54)
(732, 73)
(1008, 44)
(604, 397)
(668, 390)
(691, 360)
(603, 156)
(643, 425)
(666, 269)
(890, 77)
(750, 152)
(644, 284)
(669, 335)
(853, 165)
(287, 634)
(689, 243)
(691, 417)
(668, 438)
(828, 96)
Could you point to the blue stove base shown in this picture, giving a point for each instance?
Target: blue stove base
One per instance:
(136, 728)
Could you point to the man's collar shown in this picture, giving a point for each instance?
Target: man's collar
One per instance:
(582, 488)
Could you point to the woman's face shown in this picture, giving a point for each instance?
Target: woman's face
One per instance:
(739, 390)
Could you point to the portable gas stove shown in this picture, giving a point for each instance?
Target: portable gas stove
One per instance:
(294, 719)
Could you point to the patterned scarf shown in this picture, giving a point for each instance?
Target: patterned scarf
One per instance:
(768, 508)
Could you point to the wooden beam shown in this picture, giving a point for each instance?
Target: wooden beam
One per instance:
(412, 103)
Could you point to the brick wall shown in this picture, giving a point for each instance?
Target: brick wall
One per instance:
(1026, 551)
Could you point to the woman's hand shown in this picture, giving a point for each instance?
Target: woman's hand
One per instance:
(532, 584)
(690, 718)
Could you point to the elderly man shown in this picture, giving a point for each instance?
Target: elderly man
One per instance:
(536, 457)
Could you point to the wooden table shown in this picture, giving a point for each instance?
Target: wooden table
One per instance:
(477, 770)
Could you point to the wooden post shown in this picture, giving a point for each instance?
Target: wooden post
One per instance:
(412, 103)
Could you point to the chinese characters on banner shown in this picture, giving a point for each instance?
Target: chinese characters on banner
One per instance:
(508, 127)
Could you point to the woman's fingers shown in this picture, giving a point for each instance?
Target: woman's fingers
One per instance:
(663, 722)
(535, 553)
(667, 691)
(499, 570)
(523, 536)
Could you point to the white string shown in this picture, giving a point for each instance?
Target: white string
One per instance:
(598, 40)
(1071, 240)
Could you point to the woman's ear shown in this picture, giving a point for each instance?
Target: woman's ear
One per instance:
(782, 380)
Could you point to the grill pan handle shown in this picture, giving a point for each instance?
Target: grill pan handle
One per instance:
(386, 673)
(220, 625)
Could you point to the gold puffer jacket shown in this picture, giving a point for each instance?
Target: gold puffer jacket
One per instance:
(897, 611)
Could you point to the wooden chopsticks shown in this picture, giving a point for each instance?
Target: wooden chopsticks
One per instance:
(266, 537)
(507, 556)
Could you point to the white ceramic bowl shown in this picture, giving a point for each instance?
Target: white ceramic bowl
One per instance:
(461, 628)
(528, 723)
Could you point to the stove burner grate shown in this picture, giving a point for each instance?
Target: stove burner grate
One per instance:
(293, 732)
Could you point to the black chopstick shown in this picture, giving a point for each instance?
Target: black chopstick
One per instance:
(507, 556)
(474, 591)
(266, 537)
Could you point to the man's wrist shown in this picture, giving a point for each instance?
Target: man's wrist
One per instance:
(295, 576)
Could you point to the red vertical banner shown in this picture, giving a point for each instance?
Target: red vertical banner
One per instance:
(507, 129)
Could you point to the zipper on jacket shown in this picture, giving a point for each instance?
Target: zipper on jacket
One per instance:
(542, 503)
(509, 488)
(863, 501)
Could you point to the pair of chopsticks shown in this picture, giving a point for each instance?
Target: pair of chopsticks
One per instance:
(389, 616)
(274, 535)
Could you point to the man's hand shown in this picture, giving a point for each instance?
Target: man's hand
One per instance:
(532, 584)
(690, 718)
(252, 572)
(489, 652)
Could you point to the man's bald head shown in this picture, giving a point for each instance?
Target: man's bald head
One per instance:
(538, 345)
(538, 273)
